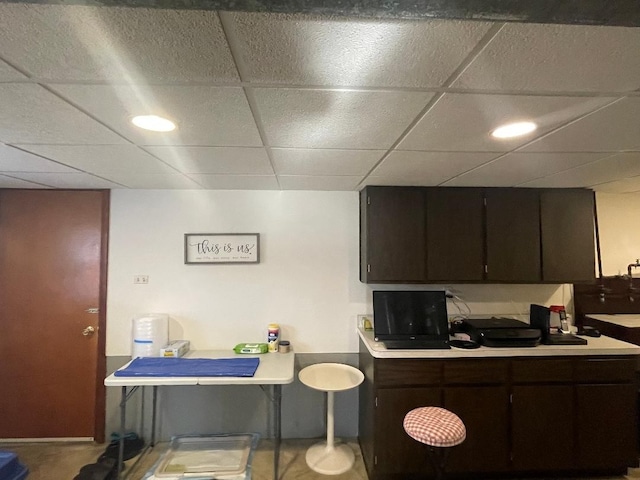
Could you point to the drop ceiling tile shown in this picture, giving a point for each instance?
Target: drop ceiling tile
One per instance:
(546, 58)
(613, 128)
(14, 160)
(8, 73)
(31, 114)
(336, 118)
(627, 185)
(606, 170)
(463, 122)
(397, 181)
(10, 182)
(516, 168)
(305, 50)
(319, 182)
(66, 180)
(153, 181)
(139, 45)
(237, 182)
(220, 160)
(204, 115)
(102, 158)
(307, 161)
(428, 168)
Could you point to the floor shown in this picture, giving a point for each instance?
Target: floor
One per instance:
(62, 461)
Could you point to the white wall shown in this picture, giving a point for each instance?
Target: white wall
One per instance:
(307, 278)
(619, 221)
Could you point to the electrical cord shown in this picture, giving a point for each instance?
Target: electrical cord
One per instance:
(461, 315)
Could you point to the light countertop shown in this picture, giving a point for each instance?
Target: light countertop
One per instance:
(595, 346)
(631, 320)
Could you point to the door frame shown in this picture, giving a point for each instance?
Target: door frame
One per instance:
(101, 359)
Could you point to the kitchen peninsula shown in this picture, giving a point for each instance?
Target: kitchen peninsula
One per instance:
(537, 410)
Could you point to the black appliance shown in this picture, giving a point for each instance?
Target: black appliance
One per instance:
(411, 319)
(539, 317)
(500, 332)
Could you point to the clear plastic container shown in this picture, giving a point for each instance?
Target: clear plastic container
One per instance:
(219, 456)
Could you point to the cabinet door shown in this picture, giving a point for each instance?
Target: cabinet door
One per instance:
(567, 227)
(606, 433)
(395, 451)
(513, 235)
(392, 235)
(485, 413)
(455, 234)
(542, 427)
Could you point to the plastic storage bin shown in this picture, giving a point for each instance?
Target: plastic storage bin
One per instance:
(223, 457)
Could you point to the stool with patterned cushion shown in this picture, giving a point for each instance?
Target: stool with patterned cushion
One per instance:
(438, 429)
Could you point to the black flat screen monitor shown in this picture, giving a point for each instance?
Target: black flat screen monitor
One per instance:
(410, 315)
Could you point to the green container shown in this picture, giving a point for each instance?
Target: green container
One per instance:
(251, 348)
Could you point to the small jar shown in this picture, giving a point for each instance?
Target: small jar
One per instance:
(284, 346)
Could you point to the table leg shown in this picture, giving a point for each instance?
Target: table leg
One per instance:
(277, 420)
(123, 406)
(153, 416)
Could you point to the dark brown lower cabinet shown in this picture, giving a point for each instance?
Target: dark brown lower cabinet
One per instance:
(598, 407)
(484, 411)
(522, 415)
(542, 427)
(403, 454)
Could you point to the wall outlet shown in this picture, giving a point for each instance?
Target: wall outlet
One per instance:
(141, 279)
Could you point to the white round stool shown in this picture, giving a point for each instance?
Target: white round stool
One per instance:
(326, 457)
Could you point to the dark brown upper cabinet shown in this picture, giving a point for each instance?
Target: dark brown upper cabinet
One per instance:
(492, 235)
(455, 234)
(392, 235)
(567, 233)
(513, 235)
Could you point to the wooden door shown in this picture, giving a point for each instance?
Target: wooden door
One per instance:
(513, 235)
(567, 227)
(52, 264)
(455, 234)
(392, 236)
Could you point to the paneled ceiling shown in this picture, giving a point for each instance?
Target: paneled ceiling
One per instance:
(274, 101)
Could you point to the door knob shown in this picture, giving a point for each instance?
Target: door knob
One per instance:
(88, 331)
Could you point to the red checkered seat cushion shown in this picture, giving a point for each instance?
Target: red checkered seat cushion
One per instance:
(435, 426)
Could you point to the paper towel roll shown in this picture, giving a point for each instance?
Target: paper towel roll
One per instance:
(150, 332)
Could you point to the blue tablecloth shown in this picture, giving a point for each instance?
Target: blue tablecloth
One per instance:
(190, 367)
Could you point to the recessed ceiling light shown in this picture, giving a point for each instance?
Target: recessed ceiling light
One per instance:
(514, 129)
(154, 123)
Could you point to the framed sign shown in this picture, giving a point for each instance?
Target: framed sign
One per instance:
(221, 248)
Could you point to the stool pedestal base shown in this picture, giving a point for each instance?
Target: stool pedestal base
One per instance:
(330, 460)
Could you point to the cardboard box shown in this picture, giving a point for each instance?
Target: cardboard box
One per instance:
(176, 348)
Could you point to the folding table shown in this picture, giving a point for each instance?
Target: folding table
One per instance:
(275, 369)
